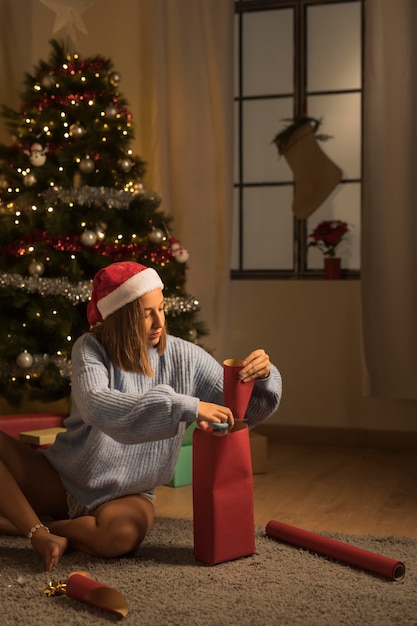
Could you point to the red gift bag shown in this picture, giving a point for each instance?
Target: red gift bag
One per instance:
(224, 527)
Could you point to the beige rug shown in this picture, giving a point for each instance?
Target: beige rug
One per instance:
(164, 585)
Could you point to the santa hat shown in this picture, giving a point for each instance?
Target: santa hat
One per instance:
(117, 285)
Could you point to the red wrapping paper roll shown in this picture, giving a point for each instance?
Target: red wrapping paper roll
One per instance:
(236, 394)
(81, 587)
(364, 559)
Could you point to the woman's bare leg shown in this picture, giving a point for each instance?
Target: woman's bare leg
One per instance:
(30, 488)
(115, 528)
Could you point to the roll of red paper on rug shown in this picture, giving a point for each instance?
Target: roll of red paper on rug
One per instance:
(81, 587)
(358, 557)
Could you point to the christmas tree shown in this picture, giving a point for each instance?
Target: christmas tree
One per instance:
(72, 200)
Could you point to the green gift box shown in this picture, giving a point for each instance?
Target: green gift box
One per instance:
(188, 435)
(183, 468)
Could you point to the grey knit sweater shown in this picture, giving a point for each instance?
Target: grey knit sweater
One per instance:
(125, 430)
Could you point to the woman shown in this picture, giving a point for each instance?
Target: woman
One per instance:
(134, 391)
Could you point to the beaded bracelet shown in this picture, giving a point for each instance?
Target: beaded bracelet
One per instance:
(35, 528)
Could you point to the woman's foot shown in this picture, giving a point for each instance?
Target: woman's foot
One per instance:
(51, 547)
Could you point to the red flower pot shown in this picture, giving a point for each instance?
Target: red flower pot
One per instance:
(332, 268)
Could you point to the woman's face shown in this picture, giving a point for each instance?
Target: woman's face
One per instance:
(153, 305)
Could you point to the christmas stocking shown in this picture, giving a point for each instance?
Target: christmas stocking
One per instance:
(315, 175)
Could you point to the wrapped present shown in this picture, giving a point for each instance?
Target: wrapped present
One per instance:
(42, 436)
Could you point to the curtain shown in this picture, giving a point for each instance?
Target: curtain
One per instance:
(389, 243)
(15, 53)
(185, 80)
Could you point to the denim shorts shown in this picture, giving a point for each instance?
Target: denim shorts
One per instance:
(77, 509)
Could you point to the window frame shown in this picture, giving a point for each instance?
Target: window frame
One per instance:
(300, 96)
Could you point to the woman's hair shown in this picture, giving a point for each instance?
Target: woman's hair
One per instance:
(123, 336)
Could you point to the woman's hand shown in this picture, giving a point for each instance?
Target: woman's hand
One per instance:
(256, 365)
(209, 413)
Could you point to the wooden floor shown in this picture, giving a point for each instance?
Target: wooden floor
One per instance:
(355, 491)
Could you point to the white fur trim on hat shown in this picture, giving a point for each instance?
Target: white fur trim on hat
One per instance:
(143, 282)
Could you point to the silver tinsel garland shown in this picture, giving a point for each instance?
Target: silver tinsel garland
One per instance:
(40, 361)
(81, 291)
(76, 292)
(96, 196)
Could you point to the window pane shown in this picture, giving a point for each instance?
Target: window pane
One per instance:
(334, 52)
(268, 51)
(267, 228)
(326, 49)
(262, 119)
(345, 205)
(341, 118)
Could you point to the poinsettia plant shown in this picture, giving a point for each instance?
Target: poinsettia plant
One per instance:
(327, 235)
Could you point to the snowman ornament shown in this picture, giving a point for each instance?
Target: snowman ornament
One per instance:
(37, 154)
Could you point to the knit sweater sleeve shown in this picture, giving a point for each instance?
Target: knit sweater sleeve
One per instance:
(130, 408)
(265, 398)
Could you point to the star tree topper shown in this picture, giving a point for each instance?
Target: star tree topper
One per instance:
(68, 14)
